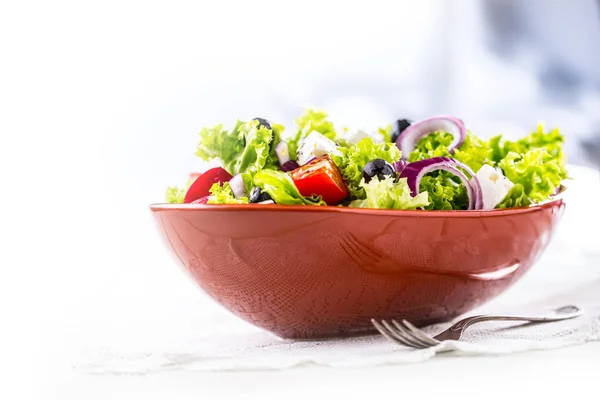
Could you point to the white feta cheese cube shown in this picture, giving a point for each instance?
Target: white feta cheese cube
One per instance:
(494, 186)
(314, 145)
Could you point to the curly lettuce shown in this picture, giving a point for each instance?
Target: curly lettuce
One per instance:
(246, 149)
(224, 195)
(386, 133)
(282, 189)
(311, 120)
(445, 191)
(537, 171)
(218, 143)
(176, 195)
(389, 194)
(351, 161)
(473, 152)
(516, 197)
(552, 141)
(535, 164)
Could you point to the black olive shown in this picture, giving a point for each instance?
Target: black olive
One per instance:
(378, 168)
(398, 127)
(257, 195)
(263, 122)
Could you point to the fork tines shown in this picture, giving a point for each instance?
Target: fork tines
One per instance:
(405, 333)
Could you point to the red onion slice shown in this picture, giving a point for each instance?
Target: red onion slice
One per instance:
(408, 139)
(282, 151)
(289, 166)
(238, 187)
(415, 171)
(400, 165)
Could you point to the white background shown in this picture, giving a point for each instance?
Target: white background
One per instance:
(100, 105)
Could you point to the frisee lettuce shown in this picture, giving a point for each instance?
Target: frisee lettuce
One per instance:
(534, 163)
(351, 161)
(248, 148)
(222, 194)
(444, 191)
(536, 171)
(175, 195)
(391, 194)
(311, 120)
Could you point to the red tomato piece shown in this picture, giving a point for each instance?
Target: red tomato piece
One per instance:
(194, 176)
(202, 184)
(323, 178)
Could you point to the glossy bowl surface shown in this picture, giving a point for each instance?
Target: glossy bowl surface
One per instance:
(314, 272)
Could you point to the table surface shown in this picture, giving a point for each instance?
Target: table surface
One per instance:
(125, 293)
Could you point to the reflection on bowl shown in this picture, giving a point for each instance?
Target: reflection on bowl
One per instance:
(309, 272)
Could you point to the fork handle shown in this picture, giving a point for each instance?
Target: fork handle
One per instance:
(560, 314)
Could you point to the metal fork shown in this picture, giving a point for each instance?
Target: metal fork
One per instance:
(407, 334)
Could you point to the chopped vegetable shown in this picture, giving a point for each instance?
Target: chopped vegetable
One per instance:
(410, 136)
(245, 149)
(318, 166)
(289, 166)
(414, 173)
(280, 186)
(238, 186)
(352, 160)
(321, 177)
(536, 171)
(202, 185)
(222, 194)
(175, 195)
(445, 191)
(388, 193)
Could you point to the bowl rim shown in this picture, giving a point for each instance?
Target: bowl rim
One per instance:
(555, 200)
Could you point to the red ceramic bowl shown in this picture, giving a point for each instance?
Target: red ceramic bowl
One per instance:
(308, 272)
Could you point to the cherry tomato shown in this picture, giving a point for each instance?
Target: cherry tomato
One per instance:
(194, 175)
(321, 177)
(202, 184)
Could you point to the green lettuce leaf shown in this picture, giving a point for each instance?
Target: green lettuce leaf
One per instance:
(537, 171)
(311, 120)
(272, 160)
(473, 152)
(389, 194)
(254, 155)
(552, 141)
(175, 195)
(516, 197)
(224, 195)
(229, 148)
(217, 143)
(386, 132)
(445, 191)
(351, 161)
(282, 189)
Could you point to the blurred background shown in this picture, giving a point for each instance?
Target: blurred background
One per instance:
(101, 104)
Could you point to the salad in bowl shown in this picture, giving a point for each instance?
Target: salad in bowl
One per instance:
(433, 164)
